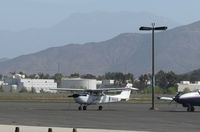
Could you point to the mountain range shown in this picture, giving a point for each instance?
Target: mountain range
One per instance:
(77, 28)
(176, 50)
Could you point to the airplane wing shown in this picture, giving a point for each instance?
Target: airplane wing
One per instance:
(114, 89)
(165, 98)
(69, 89)
(134, 88)
(92, 90)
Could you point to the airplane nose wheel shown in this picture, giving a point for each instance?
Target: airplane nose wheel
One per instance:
(79, 108)
(100, 107)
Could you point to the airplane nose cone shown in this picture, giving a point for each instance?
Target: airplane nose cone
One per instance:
(177, 97)
(74, 95)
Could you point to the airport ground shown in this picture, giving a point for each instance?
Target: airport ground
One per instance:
(63, 97)
(117, 116)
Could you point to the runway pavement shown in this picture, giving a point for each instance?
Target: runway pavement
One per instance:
(120, 116)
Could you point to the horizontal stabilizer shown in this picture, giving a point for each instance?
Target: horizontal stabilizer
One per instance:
(165, 98)
(134, 88)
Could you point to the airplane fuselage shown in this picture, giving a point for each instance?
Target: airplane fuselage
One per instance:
(100, 99)
(192, 98)
(188, 100)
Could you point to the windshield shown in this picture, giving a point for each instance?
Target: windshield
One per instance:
(196, 90)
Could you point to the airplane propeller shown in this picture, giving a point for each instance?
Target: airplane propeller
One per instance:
(176, 98)
(74, 95)
(77, 95)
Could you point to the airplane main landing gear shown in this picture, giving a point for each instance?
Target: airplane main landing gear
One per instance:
(82, 108)
(85, 107)
(100, 107)
(190, 108)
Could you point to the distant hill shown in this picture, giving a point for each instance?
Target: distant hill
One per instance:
(192, 76)
(3, 59)
(78, 28)
(176, 49)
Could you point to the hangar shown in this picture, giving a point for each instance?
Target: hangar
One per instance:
(78, 83)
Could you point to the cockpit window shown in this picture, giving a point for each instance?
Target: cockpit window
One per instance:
(196, 90)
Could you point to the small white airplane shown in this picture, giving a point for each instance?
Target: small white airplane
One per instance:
(188, 100)
(97, 96)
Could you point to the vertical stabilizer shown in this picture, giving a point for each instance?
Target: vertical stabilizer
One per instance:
(125, 94)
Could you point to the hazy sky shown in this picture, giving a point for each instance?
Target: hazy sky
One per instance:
(22, 14)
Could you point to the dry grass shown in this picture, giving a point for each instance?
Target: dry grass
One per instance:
(63, 97)
(33, 97)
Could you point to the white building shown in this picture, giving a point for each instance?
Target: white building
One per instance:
(99, 82)
(37, 84)
(1, 83)
(18, 83)
(78, 83)
(187, 84)
(108, 82)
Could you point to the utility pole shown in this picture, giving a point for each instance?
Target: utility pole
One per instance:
(153, 28)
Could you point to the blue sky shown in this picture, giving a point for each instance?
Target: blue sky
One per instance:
(22, 14)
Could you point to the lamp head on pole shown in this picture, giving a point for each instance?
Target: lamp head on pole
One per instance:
(153, 28)
(145, 28)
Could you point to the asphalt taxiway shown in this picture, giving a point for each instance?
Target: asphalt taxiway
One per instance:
(119, 116)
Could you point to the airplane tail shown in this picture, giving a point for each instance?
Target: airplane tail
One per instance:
(130, 86)
(125, 95)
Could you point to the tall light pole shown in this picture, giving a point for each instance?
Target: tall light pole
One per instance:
(153, 75)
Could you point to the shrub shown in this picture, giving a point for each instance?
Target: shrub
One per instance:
(171, 90)
(42, 91)
(12, 90)
(186, 90)
(33, 90)
(23, 90)
(1, 89)
(159, 90)
(147, 90)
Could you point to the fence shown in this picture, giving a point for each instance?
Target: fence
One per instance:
(49, 129)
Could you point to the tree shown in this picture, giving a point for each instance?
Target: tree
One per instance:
(195, 76)
(109, 75)
(57, 77)
(172, 79)
(143, 80)
(183, 77)
(101, 77)
(47, 76)
(32, 76)
(1, 76)
(75, 75)
(22, 73)
(130, 77)
(41, 75)
(88, 76)
(161, 80)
